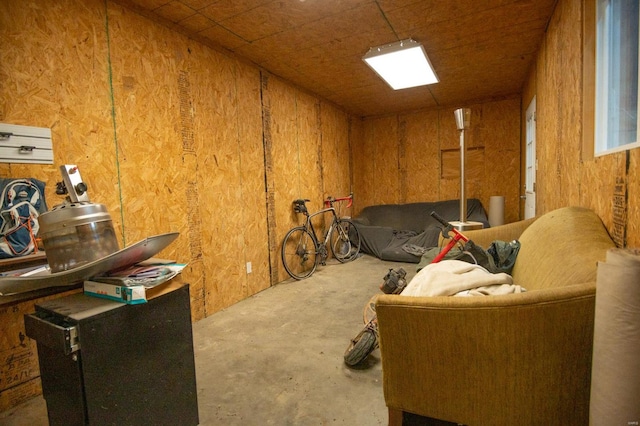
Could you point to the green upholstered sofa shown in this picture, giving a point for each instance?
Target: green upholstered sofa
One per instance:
(520, 359)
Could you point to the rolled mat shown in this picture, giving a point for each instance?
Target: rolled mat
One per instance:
(496, 210)
(615, 372)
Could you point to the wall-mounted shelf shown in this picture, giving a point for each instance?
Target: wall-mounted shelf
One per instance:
(25, 144)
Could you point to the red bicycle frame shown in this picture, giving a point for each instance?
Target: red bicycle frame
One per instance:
(457, 236)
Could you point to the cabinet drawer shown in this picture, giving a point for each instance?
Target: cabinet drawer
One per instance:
(48, 331)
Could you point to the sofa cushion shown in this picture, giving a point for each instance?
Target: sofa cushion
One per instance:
(561, 248)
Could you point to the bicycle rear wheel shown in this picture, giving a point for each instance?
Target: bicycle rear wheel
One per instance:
(299, 253)
(345, 241)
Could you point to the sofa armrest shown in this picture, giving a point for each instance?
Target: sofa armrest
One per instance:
(361, 220)
(500, 360)
(508, 232)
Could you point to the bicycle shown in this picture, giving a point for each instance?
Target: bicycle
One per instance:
(302, 250)
(366, 341)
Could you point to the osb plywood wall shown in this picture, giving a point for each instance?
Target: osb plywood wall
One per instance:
(567, 172)
(407, 158)
(171, 136)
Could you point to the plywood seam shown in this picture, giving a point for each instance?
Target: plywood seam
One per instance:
(240, 181)
(113, 120)
(268, 178)
(402, 161)
(320, 145)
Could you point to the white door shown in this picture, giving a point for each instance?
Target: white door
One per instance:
(531, 163)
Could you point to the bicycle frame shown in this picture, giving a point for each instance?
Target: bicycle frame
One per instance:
(309, 225)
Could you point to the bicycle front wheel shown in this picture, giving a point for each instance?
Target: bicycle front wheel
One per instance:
(360, 347)
(345, 241)
(299, 253)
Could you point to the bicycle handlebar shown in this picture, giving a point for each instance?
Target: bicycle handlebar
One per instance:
(440, 219)
(448, 227)
(330, 200)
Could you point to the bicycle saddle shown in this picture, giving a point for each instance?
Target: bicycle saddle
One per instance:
(299, 206)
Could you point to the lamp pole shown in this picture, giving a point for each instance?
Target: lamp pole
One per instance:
(463, 119)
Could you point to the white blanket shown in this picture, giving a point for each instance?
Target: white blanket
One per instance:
(458, 278)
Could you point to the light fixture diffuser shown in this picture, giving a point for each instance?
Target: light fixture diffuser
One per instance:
(402, 64)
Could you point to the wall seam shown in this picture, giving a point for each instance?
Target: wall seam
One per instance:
(113, 120)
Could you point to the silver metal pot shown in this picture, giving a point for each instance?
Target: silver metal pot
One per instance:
(77, 233)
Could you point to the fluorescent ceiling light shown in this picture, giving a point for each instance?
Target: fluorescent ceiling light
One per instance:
(402, 64)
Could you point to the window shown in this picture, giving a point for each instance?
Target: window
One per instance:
(616, 75)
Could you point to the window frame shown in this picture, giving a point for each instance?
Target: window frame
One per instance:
(591, 147)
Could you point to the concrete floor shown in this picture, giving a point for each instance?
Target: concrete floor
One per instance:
(276, 358)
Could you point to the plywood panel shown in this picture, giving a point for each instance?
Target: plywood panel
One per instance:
(448, 133)
(307, 131)
(146, 75)
(498, 131)
(421, 162)
(254, 218)
(570, 135)
(364, 155)
(219, 176)
(493, 157)
(285, 171)
(336, 165)
(385, 176)
(359, 162)
(310, 156)
(474, 164)
(549, 123)
(18, 357)
(449, 138)
(151, 92)
(219, 165)
(603, 187)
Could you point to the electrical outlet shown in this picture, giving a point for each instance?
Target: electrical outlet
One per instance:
(249, 267)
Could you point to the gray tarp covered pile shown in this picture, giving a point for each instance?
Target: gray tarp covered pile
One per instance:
(386, 228)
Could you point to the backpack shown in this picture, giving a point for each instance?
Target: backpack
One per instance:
(22, 201)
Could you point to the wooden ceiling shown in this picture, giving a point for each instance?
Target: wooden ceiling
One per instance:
(480, 49)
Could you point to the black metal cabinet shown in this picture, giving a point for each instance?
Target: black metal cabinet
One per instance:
(107, 363)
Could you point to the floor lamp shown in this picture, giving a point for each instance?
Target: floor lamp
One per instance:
(463, 119)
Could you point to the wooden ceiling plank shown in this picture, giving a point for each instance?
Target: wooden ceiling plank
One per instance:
(174, 11)
(150, 4)
(199, 4)
(223, 37)
(224, 9)
(196, 23)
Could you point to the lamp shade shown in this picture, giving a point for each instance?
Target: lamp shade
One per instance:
(463, 118)
(402, 64)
